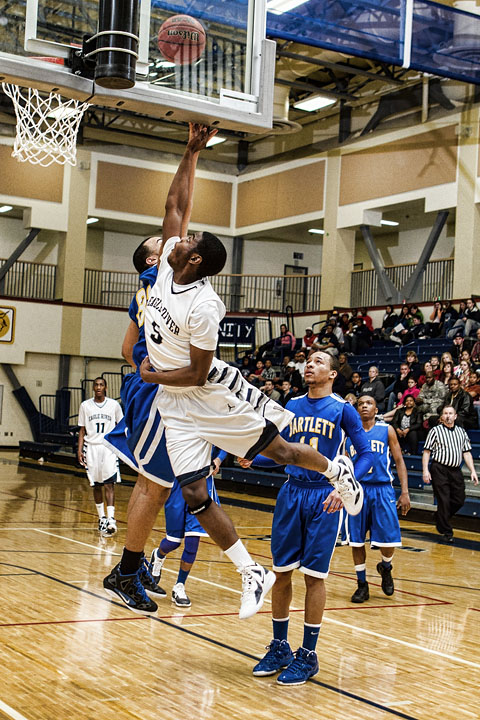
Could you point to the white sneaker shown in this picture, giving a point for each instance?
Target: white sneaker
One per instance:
(111, 528)
(179, 596)
(347, 485)
(256, 582)
(102, 525)
(156, 565)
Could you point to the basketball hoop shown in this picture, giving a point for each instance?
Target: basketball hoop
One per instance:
(47, 126)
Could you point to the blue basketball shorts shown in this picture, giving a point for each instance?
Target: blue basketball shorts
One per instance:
(179, 522)
(139, 439)
(378, 515)
(303, 535)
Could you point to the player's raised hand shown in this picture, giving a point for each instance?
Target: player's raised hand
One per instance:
(199, 135)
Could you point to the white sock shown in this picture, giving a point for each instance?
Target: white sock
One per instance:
(110, 511)
(239, 555)
(100, 510)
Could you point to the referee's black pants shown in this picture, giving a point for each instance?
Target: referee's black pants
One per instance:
(449, 490)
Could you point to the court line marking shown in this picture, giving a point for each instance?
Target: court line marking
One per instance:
(72, 622)
(14, 714)
(78, 542)
(413, 646)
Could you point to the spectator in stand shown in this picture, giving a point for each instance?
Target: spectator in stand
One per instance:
(416, 312)
(337, 331)
(327, 341)
(463, 371)
(390, 319)
(350, 398)
(459, 324)
(436, 320)
(268, 373)
(473, 390)
(475, 354)
(462, 402)
(286, 341)
(308, 338)
(300, 362)
(374, 387)
(407, 423)
(245, 367)
(293, 376)
(417, 331)
(447, 372)
(355, 385)
(398, 387)
(287, 393)
(360, 339)
(472, 323)
(435, 362)
(256, 377)
(270, 392)
(446, 356)
(402, 326)
(345, 323)
(284, 365)
(363, 313)
(457, 347)
(344, 367)
(450, 317)
(412, 391)
(431, 398)
(426, 366)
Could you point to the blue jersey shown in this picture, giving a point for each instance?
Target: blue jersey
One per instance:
(324, 423)
(380, 472)
(136, 312)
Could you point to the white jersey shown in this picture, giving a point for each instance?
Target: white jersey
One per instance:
(177, 316)
(99, 418)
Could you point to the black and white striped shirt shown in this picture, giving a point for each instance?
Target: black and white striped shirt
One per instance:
(447, 445)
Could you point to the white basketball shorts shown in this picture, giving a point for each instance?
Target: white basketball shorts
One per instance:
(102, 464)
(226, 412)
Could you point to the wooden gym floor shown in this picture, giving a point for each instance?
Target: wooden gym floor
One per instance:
(67, 651)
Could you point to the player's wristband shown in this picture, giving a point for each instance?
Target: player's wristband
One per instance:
(332, 470)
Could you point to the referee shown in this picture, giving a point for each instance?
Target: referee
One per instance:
(448, 445)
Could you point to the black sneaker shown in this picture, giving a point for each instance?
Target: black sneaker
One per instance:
(387, 581)
(148, 582)
(361, 594)
(129, 590)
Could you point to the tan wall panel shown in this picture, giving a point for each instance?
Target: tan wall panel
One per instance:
(280, 195)
(410, 164)
(29, 181)
(128, 189)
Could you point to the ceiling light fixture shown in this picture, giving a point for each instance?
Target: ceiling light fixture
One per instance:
(6, 208)
(90, 221)
(389, 222)
(313, 103)
(316, 231)
(215, 140)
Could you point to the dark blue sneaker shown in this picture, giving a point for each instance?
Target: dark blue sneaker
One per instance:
(387, 581)
(129, 590)
(148, 581)
(279, 655)
(301, 669)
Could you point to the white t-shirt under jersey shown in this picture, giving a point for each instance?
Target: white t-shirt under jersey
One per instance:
(178, 316)
(98, 418)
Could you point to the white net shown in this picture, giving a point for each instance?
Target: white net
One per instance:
(47, 126)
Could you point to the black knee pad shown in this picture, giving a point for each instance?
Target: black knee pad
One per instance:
(200, 508)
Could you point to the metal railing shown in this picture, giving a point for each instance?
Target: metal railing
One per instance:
(437, 281)
(109, 288)
(240, 293)
(29, 280)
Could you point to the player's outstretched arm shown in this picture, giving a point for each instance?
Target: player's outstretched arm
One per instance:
(177, 203)
(404, 500)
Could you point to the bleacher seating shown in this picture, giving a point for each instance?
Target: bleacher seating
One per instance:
(387, 356)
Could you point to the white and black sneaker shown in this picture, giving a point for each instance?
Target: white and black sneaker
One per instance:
(148, 581)
(256, 582)
(129, 589)
(111, 527)
(346, 484)
(156, 565)
(102, 526)
(179, 596)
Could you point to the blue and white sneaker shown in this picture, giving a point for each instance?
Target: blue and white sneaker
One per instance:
(279, 656)
(301, 669)
(148, 581)
(256, 583)
(156, 565)
(346, 484)
(130, 591)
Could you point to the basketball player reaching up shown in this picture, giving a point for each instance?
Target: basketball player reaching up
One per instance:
(96, 417)
(205, 402)
(379, 513)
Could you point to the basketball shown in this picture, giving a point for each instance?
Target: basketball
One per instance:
(181, 39)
